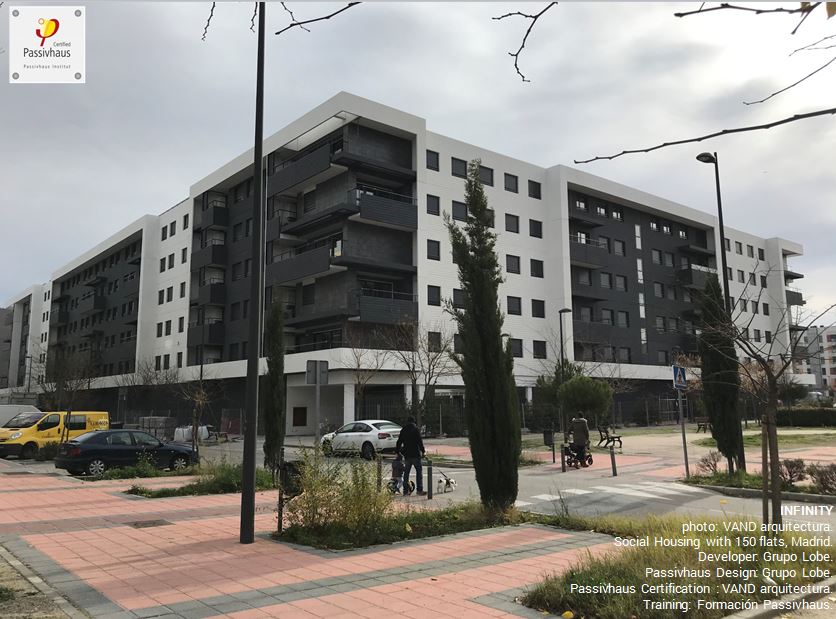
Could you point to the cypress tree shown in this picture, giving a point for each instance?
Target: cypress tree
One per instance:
(274, 389)
(720, 378)
(490, 398)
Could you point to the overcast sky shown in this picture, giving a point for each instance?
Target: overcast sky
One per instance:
(161, 109)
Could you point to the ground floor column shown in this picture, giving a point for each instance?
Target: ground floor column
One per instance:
(348, 402)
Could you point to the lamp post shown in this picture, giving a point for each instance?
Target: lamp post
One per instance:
(563, 311)
(712, 158)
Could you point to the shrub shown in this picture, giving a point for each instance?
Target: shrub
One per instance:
(47, 452)
(792, 472)
(215, 478)
(807, 417)
(823, 477)
(709, 463)
(144, 467)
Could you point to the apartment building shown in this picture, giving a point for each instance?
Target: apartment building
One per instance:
(816, 354)
(356, 244)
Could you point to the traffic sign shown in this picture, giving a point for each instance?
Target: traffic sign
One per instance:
(679, 380)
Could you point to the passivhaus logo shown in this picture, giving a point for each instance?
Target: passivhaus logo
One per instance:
(46, 45)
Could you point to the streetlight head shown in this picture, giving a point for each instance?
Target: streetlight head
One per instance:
(565, 310)
(706, 158)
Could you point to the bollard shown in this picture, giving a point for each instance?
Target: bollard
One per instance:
(429, 480)
(553, 456)
(280, 507)
(379, 473)
(563, 457)
(612, 459)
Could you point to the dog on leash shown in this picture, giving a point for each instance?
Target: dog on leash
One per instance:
(448, 484)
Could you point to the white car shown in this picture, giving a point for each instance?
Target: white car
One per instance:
(366, 437)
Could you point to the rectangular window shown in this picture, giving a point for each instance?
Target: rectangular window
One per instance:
(604, 243)
(683, 234)
(458, 298)
(658, 290)
(534, 190)
(618, 248)
(755, 307)
(727, 243)
(164, 233)
(535, 228)
(751, 278)
(433, 250)
(459, 211)
(760, 254)
(179, 360)
(606, 280)
(514, 306)
(585, 314)
(623, 355)
(300, 416)
(606, 316)
(159, 329)
(486, 175)
(621, 283)
(580, 205)
(673, 325)
(237, 231)
(433, 205)
(162, 265)
(666, 228)
(639, 270)
(750, 251)
(182, 289)
(601, 211)
(160, 297)
(169, 294)
(623, 319)
(536, 267)
(185, 221)
(458, 344)
(434, 341)
(158, 363)
(171, 261)
(763, 281)
(656, 256)
(654, 226)
(767, 335)
(729, 273)
(538, 308)
(433, 295)
(309, 294)
(660, 324)
(512, 264)
(670, 293)
(757, 334)
(516, 347)
(617, 215)
(168, 327)
(511, 183)
(184, 255)
(766, 309)
(741, 276)
(512, 223)
(738, 248)
(539, 349)
(181, 324)
(491, 218)
(172, 228)
(458, 167)
(668, 259)
(432, 160)
(662, 357)
(584, 277)
(638, 236)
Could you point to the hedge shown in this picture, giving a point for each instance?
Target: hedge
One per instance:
(807, 417)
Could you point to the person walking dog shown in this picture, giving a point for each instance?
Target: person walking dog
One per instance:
(411, 447)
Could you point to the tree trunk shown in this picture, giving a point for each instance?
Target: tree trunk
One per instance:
(416, 412)
(765, 469)
(774, 461)
(731, 466)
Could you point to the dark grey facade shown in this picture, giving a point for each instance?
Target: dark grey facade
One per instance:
(94, 310)
(339, 250)
(6, 322)
(634, 276)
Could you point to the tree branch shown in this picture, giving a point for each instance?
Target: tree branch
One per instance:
(726, 6)
(303, 23)
(811, 46)
(533, 18)
(783, 121)
(208, 21)
(778, 92)
(255, 14)
(292, 16)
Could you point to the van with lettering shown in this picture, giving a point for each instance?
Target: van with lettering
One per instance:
(27, 432)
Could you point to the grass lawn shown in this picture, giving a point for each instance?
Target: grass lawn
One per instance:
(635, 566)
(220, 478)
(784, 440)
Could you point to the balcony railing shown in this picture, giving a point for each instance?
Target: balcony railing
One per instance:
(212, 253)
(695, 276)
(209, 333)
(580, 239)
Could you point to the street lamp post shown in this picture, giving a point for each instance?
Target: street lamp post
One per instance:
(563, 311)
(712, 159)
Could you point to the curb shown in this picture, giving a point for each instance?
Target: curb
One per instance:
(748, 493)
(762, 613)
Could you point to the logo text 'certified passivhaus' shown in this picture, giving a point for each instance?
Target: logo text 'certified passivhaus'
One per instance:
(46, 45)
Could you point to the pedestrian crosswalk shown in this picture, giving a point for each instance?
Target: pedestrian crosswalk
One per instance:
(617, 494)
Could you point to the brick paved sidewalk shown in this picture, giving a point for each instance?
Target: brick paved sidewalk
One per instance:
(116, 556)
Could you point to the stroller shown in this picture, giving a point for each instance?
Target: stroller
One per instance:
(392, 486)
(577, 458)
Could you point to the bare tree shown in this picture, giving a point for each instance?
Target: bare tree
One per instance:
(366, 358)
(198, 390)
(425, 352)
(65, 376)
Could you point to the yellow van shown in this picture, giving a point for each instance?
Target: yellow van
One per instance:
(24, 434)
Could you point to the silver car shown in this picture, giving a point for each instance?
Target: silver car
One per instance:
(366, 437)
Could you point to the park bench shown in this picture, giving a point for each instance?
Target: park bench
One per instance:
(608, 439)
(702, 424)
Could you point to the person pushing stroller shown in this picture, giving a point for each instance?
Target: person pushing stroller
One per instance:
(580, 438)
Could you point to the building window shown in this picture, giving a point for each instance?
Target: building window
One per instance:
(767, 336)
(159, 329)
(668, 259)
(755, 307)
(168, 327)
(458, 298)
(757, 336)
(750, 251)
(766, 309)
(670, 293)
(654, 226)
(511, 183)
(172, 228)
(606, 316)
(433, 250)
(662, 357)
(618, 247)
(459, 211)
(584, 277)
(158, 363)
(538, 308)
(182, 289)
(516, 347)
(729, 274)
(666, 228)
(512, 264)
(486, 175)
(683, 234)
(433, 205)
(185, 221)
(433, 295)
(738, 248)
(621, 283)
(761, 254)
(160, 297)
(309, 294)
(727, 244)
(179, 360)
(171, 261)
(432, 160)
(585, 314)
(164, 233)
(741, 276)
(181, 324)
(535, 228)
(491, 218)
(434, 341)
(617, 215)
(458, 344)
(300, 416)
(601, 210)
(763, 281)
(512, 223)
(536, 267)
(752, 278)
(606, 280)
(514, 306)
(623, 319)
(656, 256)
(534, 190)
(658, 290)
(539, 349)
(458, 167)
(184, 255)
(237, 231)
(580, 205)
(162, 265)
(169, 294)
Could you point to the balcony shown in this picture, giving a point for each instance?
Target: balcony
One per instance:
(790, 275)
(586, 252)
(278, 224)
(317, 218)
(61, 317)
(209, 334)
(698, 250)
(794, 297)
(212, 255)
(93, 303)
(306, 261)
(310, 168)
(695, 276)
(582, 219)
(588, 332)
(216, 215)
(211, 292)
(385, 307)
(385, 208)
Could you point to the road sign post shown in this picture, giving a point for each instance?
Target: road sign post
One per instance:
(680, 383)
(316, 373)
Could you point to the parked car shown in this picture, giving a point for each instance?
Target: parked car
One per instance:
(27, 432)
(95, 452)
(9, 411)
(366, 437)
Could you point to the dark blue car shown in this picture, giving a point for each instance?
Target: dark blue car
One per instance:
(95, 452)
